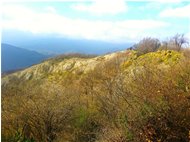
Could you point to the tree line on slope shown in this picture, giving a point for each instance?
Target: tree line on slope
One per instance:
(149, 44)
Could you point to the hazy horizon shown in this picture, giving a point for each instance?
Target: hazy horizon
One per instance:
(118, 21)
(88, 27)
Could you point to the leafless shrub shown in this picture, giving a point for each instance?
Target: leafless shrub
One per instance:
(177, 42)
(147, 45)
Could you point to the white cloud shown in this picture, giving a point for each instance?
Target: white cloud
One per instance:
(101, 7)
(29, 1)
(50, 9)
(26, 19)
(168, 1)
(180, 12)
(163, 1)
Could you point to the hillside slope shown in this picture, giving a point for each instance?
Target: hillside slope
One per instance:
(77, 66)
(115, 97)
(54, 67)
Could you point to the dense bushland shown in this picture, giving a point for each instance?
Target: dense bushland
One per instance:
(131, 98)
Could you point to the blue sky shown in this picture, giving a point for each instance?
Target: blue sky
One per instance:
(106, 20)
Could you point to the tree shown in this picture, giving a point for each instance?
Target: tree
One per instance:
(148, 45)
(178, 41)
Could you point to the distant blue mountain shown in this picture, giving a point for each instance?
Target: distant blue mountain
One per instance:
(14, 58)
(54, 44)
(37, 47)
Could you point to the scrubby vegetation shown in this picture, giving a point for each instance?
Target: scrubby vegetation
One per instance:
(149, 44)
(131, 97)
(62, 57)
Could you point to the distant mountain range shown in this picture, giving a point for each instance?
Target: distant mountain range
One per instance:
(55, 44)
(14, 58)
(37, 47)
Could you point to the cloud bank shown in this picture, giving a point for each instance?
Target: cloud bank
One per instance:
(48, 21)
(180, 12)
(102, 7)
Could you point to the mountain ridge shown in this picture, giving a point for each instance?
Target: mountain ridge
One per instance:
(60, 45)
(14, 58)
(77, 65)
(74, 65)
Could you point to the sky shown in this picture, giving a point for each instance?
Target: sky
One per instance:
(105, 20)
